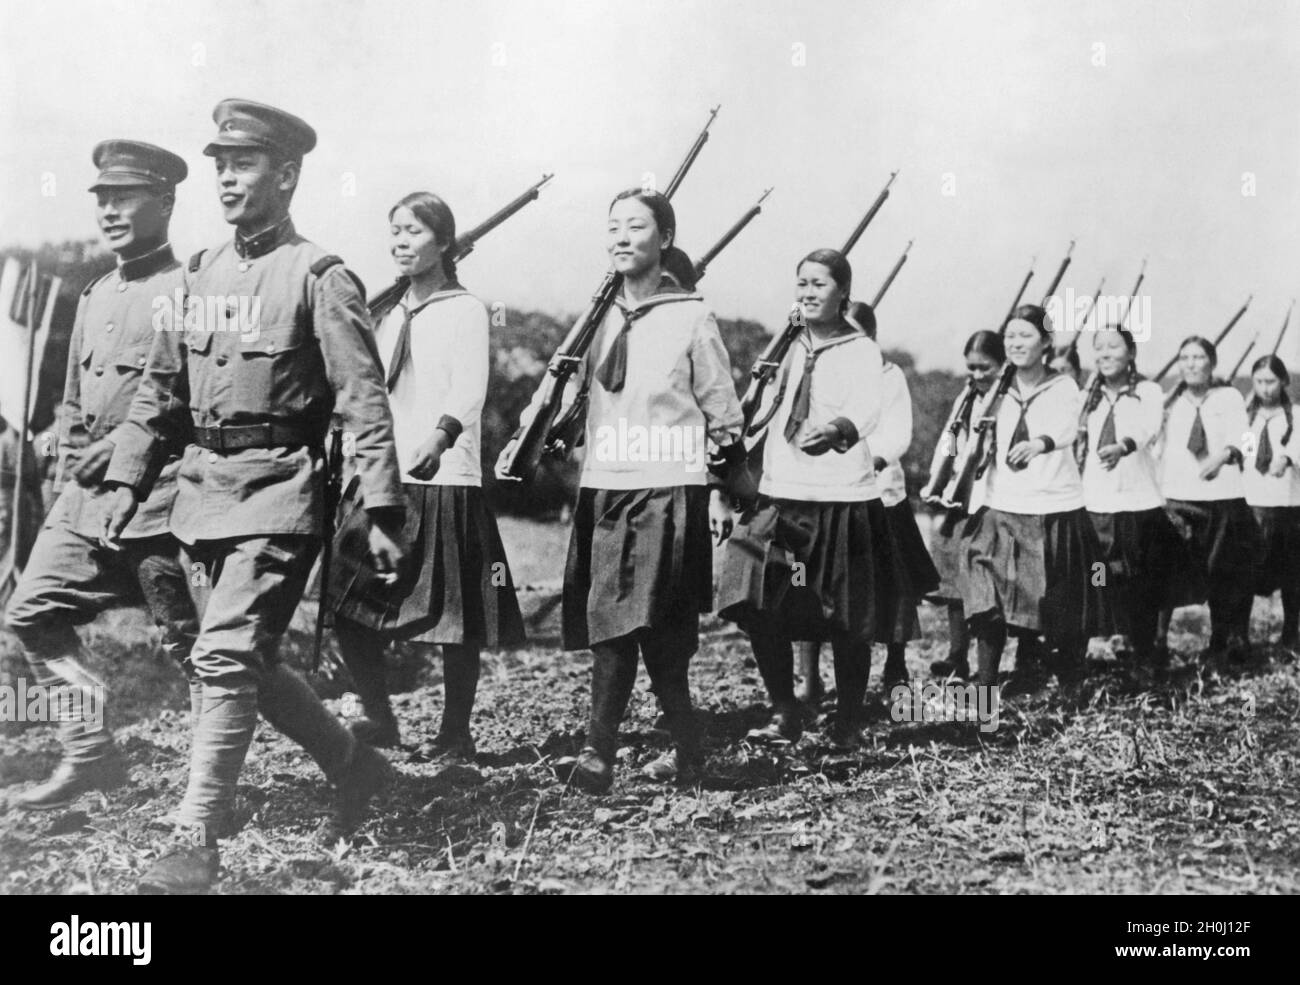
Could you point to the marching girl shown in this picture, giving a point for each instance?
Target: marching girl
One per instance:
(914, 572)
(639, 570)
(1118, 427)
(984, 356)
(811, 562)
(456, 591)
(1272, 482)
(1026, 567)
(1201, 479)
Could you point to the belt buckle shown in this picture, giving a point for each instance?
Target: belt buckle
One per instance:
(268, 429)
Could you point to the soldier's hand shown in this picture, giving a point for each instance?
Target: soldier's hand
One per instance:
(388, 547)
(503, 459)
(119, 508)
(721, 519)
(90, 463)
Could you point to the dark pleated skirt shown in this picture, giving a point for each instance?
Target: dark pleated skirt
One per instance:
(1222, 543)
(1279, 533)
(455, 586)
(1145, 558)
(841, 586)
(1037, 573)
(913, 575)
(946, 546)
(638, 559)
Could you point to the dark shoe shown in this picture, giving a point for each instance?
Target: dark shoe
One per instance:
(785, 726)
(950, 668)
(184, 871)
(378, 733)
(846, 732)
(366, 775)
(591, 773)
(451, 750)
(71, 780)
(672, 767)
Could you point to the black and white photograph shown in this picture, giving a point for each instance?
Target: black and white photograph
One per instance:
(654, 447)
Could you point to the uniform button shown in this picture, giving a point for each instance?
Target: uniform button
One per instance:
(212, 456)
(140, 361)
(270, 347)
(244, 265)
(99, 370)
(121, 287)
(108, 327)
(90, 419)
(222, 360)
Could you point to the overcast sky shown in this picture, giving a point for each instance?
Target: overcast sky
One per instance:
(1017, 126)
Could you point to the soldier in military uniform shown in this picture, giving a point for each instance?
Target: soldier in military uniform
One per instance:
(70, 576)
(275, 338)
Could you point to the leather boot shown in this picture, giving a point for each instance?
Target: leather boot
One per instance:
(811, 690)
(683, 762)
(895, 666)
(287, 701)
(366, 774)
(186, 870)
(613, 675)
(71, 779)
(362, 650)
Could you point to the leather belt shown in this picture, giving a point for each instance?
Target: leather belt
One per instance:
(226, 437)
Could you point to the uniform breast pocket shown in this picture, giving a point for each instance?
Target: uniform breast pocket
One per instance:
(132, 360)
(278, 369)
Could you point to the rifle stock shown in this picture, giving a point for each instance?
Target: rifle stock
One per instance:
(936, 490)
(977, 448)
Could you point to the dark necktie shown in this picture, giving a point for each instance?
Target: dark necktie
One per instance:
(1107, 436)
(613, 371)
(402, 351)
(1264, 454)
(1196, 442)
(802, 397)
(1021, 433)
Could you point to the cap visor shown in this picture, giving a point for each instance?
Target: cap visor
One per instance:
(123, 181)
(226, 140)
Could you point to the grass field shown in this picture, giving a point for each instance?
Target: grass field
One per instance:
(1125, 786)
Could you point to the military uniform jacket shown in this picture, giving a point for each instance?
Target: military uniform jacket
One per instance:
(111, 340)
(271, 332)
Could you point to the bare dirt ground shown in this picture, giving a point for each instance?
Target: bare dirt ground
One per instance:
(1126, 785)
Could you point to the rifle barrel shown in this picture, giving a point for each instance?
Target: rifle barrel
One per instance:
(1164, 370)
(465, 243)
(1020, 293)
(712, 253)
(692, 154)
(892, 274)
(1060, 273)
(871, 214)
(1237, 368)
(1286, 321)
